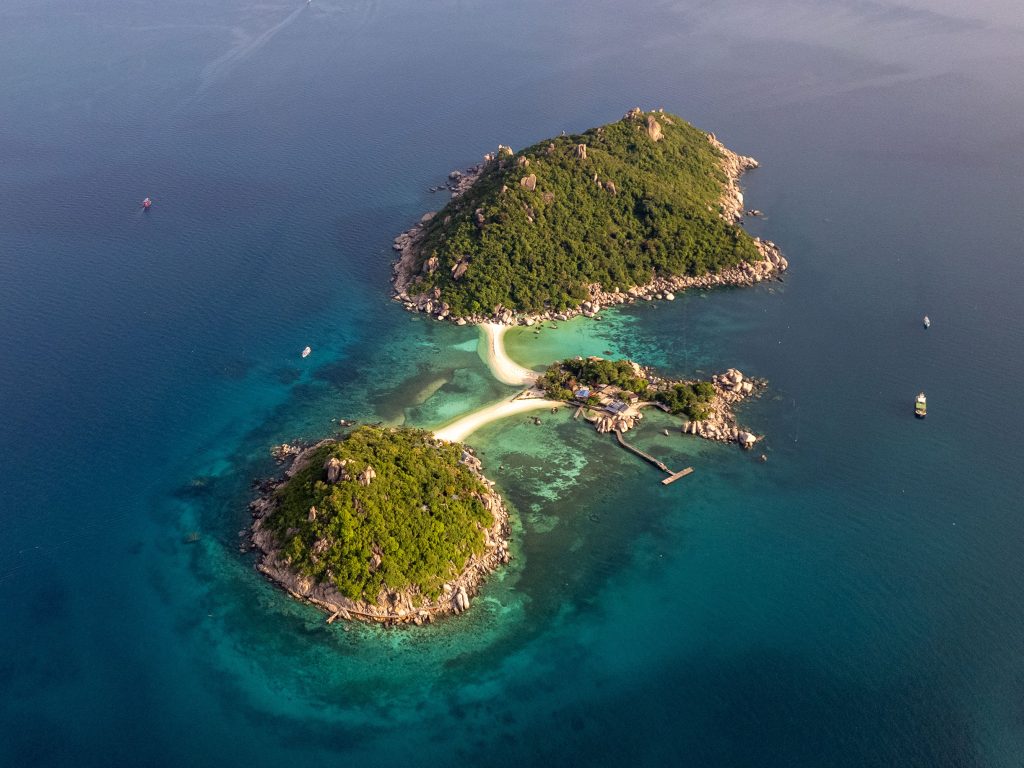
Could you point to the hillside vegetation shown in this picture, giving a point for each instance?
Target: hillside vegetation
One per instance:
(683, 398)
(411, 522)
(617, 205)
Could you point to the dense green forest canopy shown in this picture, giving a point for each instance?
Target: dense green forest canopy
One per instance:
(683, 398)
(415, 524)
(687, 398)
(563, 378)
(541, 225)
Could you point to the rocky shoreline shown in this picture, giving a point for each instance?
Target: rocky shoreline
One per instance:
(431, 303)
(406, 606)
(720, 425)
(734, 165)
(407, 243)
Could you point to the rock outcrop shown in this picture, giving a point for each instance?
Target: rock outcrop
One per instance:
(734, 166)
(407, 244)
(460, 268)
(336, 470)
(619, 422)
(653, 128)
(731, 387)
(460, 601)
(366, 476)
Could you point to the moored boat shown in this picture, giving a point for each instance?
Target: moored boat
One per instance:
(306, 352)
(927, 322)
(921, 406)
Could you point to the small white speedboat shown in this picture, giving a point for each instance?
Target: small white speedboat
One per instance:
(927, 322)
(306, 352)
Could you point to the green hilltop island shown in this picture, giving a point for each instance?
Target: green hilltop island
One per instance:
(385, 524)
(637, 209)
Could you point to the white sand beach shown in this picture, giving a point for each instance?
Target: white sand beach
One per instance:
(502, 366)
(461, 428)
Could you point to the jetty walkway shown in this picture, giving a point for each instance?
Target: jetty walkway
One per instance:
(645, 456)
(672, 476)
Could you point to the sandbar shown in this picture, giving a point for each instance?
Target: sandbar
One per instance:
(460, 429)
(505, 370)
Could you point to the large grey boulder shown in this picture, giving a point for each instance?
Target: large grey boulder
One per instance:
(654, 129)
(335, 470)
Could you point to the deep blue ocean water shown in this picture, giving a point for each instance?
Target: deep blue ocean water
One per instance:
(858, 600)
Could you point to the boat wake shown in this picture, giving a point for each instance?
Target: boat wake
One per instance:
(245, 46)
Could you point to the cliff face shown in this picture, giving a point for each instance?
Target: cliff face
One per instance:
(734, 166)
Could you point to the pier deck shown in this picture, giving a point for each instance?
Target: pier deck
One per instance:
(672, 476)
(677, 475)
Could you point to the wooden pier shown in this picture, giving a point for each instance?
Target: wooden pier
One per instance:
(681, 473)
(672, 476)
(645, 456)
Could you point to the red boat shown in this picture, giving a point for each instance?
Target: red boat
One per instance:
(147, 204)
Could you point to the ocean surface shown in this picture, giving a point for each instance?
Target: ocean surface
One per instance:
(856, 600)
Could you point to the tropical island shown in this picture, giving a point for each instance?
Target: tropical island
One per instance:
(612, 394)
(640, 208)
(399, 525)
(385, 524)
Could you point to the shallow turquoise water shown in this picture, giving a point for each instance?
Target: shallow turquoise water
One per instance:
(856, 600)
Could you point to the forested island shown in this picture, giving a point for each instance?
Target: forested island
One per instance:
(637, 208)
(384, 524)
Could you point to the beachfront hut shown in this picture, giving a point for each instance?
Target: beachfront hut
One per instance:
(582, 393)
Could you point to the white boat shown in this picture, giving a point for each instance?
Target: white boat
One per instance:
(306, 352)
(927, 322)
(921, 406)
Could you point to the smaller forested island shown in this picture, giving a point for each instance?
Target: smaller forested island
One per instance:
(385, 524)
(636, 209)
(613, 393)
